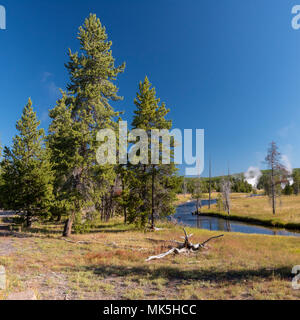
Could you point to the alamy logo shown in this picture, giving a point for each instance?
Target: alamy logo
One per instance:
(2, 18)
(2, 278)
(155, 147)
(296, 18)
(296, 279)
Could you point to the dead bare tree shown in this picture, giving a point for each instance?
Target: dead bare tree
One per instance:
(197, 193)
(278, 173)
(184, 247)
(226, 191)
(209, 187)
(184, 187)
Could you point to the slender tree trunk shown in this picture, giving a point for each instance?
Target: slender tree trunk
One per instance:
(209, 201)
(125, 214)
(274, 204)
(29, 220)
(111, 204)
(68, 226)
(153, 205)
(102, 208)
(124, 206)
(273, 193)
(144, 192)
(228, 204)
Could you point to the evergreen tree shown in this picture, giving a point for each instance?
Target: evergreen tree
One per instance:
(87, 110)
(158, 183)
(130, 199)
(27, 174)
(288, 189)
(64, 141)
(296, 184)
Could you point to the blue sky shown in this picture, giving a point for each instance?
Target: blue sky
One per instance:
(230, 67)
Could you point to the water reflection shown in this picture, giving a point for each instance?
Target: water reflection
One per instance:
(184, 215)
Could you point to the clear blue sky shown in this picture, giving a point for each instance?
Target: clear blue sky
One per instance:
(230, 67)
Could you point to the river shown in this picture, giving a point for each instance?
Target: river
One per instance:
(184, 216)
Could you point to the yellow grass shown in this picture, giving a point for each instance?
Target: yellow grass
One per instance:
(182, 198)
(112, 265)
(287, 213)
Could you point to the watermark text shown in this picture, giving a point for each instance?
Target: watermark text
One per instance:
(2, 18)
(296, 279)
(156, 147)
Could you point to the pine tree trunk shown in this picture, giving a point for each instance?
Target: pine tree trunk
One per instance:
(153, 206)
(29, 220)
(124, 206)
(68, 226)
(125, 215)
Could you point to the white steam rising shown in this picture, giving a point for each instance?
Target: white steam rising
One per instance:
(286, 162)
(252, 176)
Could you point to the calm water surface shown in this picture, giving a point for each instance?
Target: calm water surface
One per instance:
(184, 215)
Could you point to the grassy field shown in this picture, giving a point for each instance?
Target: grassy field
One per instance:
(258, 209)
(182, 198)
(109, 263)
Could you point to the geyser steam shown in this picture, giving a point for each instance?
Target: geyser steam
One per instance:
(252, 176)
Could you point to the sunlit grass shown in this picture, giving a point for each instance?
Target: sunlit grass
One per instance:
(287, 212)
(112, 265)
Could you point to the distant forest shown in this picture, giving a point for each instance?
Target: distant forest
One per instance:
(239, 183)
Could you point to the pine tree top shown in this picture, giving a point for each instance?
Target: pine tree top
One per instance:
(93, 72)
(29, 141)
(149, 114)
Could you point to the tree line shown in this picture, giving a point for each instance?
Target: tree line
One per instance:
(238, 184)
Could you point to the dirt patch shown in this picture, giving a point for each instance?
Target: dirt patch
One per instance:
(6, 247)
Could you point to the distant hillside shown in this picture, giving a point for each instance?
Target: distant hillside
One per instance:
(235, 175)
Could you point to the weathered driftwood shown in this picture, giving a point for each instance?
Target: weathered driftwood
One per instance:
(184, 247)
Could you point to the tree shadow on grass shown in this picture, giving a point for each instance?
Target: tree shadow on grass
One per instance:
(173, 273)
(106, 231)
(13, 234)
(110, 228)
(43, 230)
(113, 225)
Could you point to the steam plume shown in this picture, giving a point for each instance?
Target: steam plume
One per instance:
(252, 176)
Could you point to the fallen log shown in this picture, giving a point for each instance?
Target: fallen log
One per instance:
(184, 247)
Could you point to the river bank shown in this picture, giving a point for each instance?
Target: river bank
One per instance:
(257, 211)
(222, 222)
(273, 223)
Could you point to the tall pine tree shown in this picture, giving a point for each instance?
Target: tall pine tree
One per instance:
(87, 108)
(158, 181)
(27, 173)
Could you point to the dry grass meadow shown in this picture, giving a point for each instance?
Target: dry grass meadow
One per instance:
(109, 263)
(259, 208)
